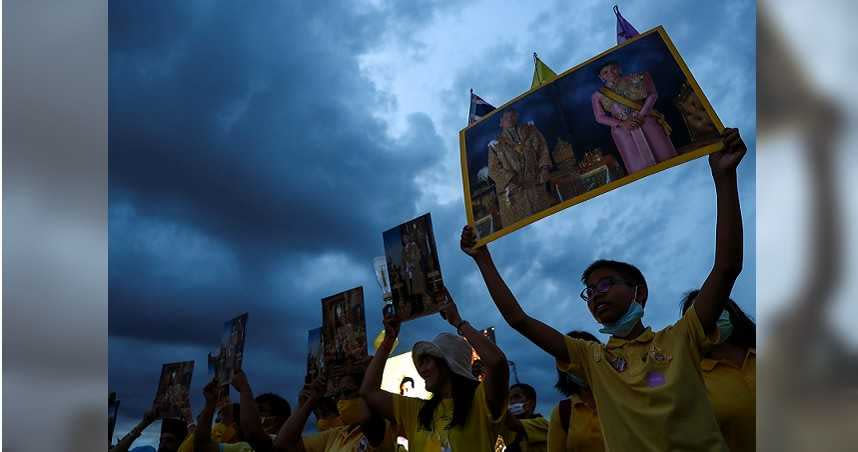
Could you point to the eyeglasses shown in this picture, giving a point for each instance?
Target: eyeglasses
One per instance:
(602, 286)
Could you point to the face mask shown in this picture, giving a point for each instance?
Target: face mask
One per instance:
(222, 433)
(725, 327)
(516, 409)
(627, 322)
(328, 423)
(352, 411)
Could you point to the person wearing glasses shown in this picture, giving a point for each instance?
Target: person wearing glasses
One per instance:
(647, 385)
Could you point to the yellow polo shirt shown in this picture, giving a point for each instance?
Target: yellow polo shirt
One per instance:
(649, 390)
(583, 435)
(347, 439)
(733, 393)
(478, 434)
(535, 435)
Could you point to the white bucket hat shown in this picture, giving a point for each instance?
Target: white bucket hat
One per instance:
(454, 350)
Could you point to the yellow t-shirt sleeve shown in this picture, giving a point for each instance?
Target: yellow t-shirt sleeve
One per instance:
(556, 433)
(689, 326)
(405, 410)
(536, 430)
(577, 363)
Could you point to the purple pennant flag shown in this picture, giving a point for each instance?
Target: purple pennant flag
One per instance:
(625, 30)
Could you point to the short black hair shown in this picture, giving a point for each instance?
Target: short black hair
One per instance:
(628, 271)
(564, 384)
(279, 405)
(744, 329)
(406, 380)
(527, 389)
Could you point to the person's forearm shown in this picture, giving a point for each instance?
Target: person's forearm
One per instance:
(374, 372)
(542, 335)
(728, 232)
(491, 356)
(500, 293)
(290, 433)
(125, 443)
(203, 433)
(250, 424)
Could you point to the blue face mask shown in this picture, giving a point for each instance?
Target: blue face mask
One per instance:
(625, 324)
(725, 327)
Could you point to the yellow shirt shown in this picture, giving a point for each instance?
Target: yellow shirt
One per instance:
(583, 435)
(188, 446)
(733, 393)
(649, 391)
(535, 435)
(347, 439)
(478, 434)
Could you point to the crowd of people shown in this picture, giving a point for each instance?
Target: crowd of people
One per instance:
(687, 387)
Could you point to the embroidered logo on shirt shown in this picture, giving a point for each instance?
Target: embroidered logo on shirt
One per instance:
(655, 379)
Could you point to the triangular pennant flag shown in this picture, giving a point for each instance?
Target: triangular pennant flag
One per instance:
(625, 30)
(479, 108)
(542, 74)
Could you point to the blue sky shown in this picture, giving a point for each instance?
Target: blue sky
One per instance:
(257, 151)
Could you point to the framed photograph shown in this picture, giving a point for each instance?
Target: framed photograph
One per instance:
(415, 272)
(172, 400)
(629, 112)
(343, 342)
(230, 355)
(314, 355)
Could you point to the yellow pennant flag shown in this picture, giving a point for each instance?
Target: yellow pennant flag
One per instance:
(542, 74)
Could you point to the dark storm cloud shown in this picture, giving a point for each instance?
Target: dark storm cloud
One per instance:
(243, 151)
(248, 173)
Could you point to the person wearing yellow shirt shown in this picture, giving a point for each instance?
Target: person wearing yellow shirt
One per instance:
(647, 385)
(730, 373)
(260, 417)
(527, 430)
(463, 414)
(574, 424)
(225, 436)
(358, 430)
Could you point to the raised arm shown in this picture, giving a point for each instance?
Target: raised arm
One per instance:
(203, 434)
(493, 359)
(289, 436)
(547, 338)
(125, 443)
(379, 401)
(728, 232)
(251, 426)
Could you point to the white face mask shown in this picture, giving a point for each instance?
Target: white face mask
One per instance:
(516, 409)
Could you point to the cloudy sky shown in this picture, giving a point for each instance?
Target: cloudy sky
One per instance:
(258, 150)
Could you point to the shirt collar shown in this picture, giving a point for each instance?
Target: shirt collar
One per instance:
(645, 337)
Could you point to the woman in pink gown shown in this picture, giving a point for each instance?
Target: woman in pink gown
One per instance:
(625, 104)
